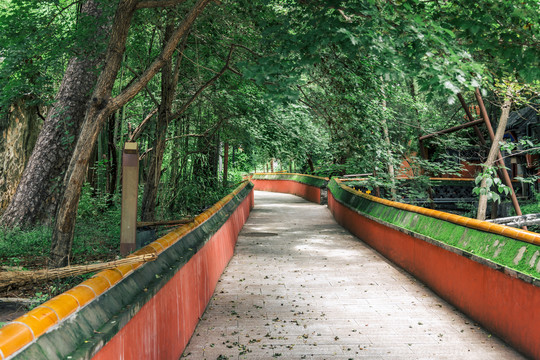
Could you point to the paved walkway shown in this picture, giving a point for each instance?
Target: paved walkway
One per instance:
(301, 287)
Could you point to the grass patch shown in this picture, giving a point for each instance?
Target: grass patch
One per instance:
(96, 239)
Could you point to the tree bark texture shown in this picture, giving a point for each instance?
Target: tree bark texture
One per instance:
(225, 163)
(40, 188)
(101, 106)
(310, 164)
(151, 186)
(18, 134)
(492, 156)
(112, 164)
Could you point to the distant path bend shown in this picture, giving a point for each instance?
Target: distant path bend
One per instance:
(301, 287)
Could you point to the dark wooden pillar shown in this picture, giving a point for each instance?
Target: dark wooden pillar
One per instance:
(130, 188)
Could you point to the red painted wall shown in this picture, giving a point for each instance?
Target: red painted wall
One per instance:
(163, 326)
(507, 306)
(308, 192)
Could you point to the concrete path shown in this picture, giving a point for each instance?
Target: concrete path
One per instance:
(301, 287)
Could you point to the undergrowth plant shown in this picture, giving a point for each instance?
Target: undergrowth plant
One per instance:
(97, 237)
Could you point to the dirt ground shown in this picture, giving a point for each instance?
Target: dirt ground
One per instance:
(10, 310)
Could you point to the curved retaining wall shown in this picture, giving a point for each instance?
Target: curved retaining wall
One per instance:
(311, 188)
(146, 311)
(491, 273)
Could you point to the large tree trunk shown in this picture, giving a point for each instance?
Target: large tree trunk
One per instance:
(492, 156)
(19, 132)
(151, 186)
(40, 187)
(102, 105)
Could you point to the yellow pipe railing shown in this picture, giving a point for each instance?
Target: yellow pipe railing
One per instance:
(518, 234)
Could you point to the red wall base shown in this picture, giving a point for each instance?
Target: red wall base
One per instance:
(308, 192)
(505, 305)
(164, 325)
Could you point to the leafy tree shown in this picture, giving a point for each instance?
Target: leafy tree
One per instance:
(436, 44)
(25, 71)
(334, 87)
(102, 106)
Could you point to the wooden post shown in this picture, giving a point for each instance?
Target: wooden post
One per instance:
(499, 160)
(130, 187)
(470, 117)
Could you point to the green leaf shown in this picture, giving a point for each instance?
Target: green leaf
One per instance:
(478, 179)
(449, 32)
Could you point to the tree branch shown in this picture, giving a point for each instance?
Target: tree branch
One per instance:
(520, 152)
(179, 58)
(201, 135)
(207, 84)
(246, 48)
(130, 92)
(197, 64)
(152, 97)
(61, 11)
(139, 129)
(347, 18)
(158, 4)
(315, 108)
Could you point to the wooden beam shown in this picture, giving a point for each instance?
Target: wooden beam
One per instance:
(163, 223)
(518, 221)
(453, 129)
(500, 161)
